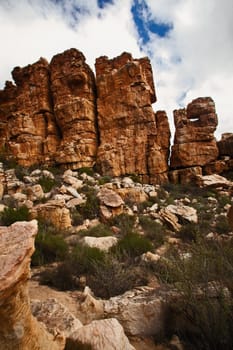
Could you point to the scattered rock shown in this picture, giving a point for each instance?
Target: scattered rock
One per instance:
(102, 243)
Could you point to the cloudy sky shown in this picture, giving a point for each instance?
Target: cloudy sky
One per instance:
(189, 42)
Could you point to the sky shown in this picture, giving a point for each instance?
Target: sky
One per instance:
(189, 43)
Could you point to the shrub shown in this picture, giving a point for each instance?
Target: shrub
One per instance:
(222, 225)
(100, 230)
(86, 170)
(83, 258)
(112, 278)
(189, 232)
(132, 245)
(11, 215)
(124, 222)
(90, 209)
(153, 230)
(49, 248)
(203, 314)
(104, 179)
(76, 218)
(80, 261)
(47, 183)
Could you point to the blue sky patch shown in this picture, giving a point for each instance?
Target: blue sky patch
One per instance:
(145, 25)
(103, 3)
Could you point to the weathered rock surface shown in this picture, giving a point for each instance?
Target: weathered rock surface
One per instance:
(213, 181)
(101, 335)
(140, 311)
(194, 143)
(55, 316)
(19, 329)
(129, 129)
(74, 99)
(54, 211)
(28, 127)
(50, 114)
(183, 211)
(225, 145)
(102, 243)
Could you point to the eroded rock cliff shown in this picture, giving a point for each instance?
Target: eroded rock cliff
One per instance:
(130, 138)
(59, 113)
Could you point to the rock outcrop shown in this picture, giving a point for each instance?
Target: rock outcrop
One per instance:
(28, 128)
(58, 113)
(194, 143)
(74, 101)
(50, 114)
(19, 329)
(133, 139)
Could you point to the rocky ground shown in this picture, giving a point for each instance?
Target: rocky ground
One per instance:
(106, 249)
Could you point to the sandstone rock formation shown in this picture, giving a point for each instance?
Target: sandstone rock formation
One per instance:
(194, 143)
(225, 145)
(50, 114)
(132, 138)
(28, 128)
(19, 329)
(74, 100)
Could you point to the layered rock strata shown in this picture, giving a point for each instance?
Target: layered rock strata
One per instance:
(130, 132)
(194, 143)
(19, 329)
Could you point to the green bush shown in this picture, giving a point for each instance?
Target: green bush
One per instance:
(83, 258)
(203, 314)
(104, 179)
(100, 230)
(89, 209)
(86, 170)
(76, 218)
(11, 215)
(124, 222)
(153, 230)
(49, 247)
(132, 245)
(47, 183)
(222, 225)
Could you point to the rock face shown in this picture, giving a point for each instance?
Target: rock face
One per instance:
(50, 114)
(194, 143)
(28, 129)
(74, 99)
(133, 139)
(19, 329)
(59, 113)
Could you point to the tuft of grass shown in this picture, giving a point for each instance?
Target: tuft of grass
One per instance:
(124, 222)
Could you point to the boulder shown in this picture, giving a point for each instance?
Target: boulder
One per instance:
(53, 211)
(56, 317)
(102, 335)
(183, 211)
(102, 243)
(194, 143)
(110, 198)
(213, 181)
(140, 311)
(18, 328)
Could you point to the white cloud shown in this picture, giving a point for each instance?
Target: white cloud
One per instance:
(201, 40)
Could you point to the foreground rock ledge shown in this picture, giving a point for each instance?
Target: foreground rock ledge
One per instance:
(19, 330)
